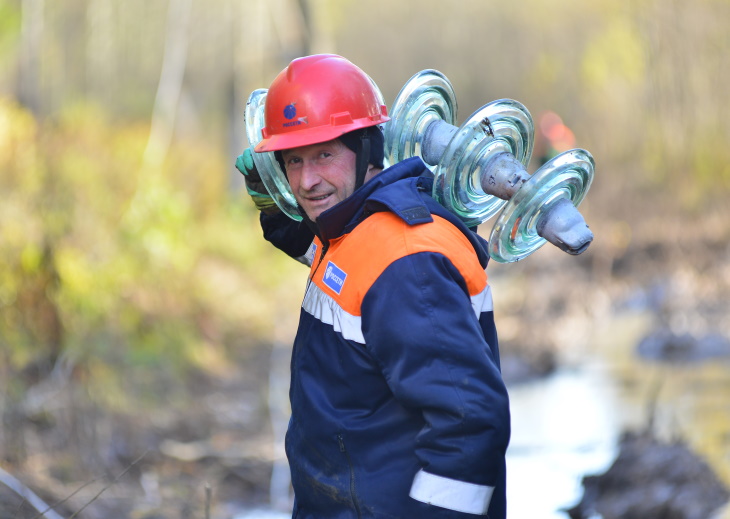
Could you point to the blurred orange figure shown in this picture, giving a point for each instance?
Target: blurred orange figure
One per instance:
(553, 137)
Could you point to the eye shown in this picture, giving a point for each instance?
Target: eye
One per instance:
(290, 162)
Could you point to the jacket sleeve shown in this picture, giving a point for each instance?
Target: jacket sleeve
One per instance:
(421, 327)
(287, 235)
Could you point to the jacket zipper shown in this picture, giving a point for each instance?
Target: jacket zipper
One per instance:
(325, 246)
(352, 475)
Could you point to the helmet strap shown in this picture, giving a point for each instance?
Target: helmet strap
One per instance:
(362, 160)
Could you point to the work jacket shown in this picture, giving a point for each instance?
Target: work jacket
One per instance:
(398, 405)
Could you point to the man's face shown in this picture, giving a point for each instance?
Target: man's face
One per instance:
(320, 175)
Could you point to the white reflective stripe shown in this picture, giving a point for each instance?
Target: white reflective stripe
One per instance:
(308, 257)
(482, 302)
(451, 494)
(326, 309)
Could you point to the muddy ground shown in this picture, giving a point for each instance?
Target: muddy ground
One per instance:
(652, 479)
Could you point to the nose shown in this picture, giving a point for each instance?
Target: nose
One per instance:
(310, 176)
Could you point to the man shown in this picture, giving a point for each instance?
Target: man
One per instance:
(398, 405)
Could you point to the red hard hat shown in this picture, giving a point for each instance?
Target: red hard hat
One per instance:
(317, 99)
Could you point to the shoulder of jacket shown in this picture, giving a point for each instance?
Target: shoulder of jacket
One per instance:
(356, 260)
(403, 236)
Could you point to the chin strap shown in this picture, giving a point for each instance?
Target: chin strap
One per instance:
(362, 160)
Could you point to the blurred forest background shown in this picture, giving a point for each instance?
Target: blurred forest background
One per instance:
(138, 301)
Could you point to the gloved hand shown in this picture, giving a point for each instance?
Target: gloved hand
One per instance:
(254, 185)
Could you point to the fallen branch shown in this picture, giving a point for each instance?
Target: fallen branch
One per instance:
(28, 495)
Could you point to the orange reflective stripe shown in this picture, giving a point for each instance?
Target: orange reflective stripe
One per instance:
(351, 266)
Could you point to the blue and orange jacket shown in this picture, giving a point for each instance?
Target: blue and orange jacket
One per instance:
(398, 405)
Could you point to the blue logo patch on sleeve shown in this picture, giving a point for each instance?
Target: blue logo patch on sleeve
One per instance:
(334, 277)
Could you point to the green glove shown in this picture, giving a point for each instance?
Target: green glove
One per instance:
(254, 185)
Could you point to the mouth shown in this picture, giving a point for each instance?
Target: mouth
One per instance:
(314, 204)
(317, 198)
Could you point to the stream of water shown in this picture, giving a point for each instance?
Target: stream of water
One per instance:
(563, 427)
(568, 425)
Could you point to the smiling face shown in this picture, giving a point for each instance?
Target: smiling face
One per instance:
(320, 175)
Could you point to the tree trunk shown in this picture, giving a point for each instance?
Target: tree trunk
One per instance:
(100, 59)
(31, 40)
(171, 80)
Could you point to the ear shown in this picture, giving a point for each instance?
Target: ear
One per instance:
(371, 172)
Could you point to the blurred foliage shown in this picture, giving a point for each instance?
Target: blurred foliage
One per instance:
(113, 268)
(9, 27)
